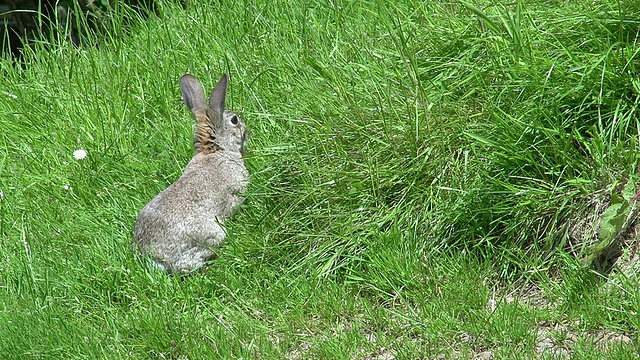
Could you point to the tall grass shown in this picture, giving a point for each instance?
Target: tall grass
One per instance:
(408, 160)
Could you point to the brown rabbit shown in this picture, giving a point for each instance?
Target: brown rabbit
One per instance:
(180, 226)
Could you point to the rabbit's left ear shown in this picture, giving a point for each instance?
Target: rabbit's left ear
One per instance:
(192, 92)
(218, 96)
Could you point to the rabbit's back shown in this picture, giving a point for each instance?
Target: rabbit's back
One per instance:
(181, 225)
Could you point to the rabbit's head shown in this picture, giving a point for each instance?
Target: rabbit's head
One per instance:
(216, 128)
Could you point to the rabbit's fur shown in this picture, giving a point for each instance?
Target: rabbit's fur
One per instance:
(180, 226)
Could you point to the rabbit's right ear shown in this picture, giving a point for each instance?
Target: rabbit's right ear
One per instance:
(218, 96)
(192, 92)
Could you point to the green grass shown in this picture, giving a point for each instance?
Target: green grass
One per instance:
(427, 180)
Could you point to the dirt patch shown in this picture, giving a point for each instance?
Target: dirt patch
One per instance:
(559, 340)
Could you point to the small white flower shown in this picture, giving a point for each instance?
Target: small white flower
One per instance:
(65, 186)
(1, 194)
(79, 154)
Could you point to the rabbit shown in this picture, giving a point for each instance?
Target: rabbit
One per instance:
(179, 228)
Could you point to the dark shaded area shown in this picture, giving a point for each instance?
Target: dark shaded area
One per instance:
(24, 21)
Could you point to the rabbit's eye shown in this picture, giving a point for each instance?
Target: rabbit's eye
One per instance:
(234, 120)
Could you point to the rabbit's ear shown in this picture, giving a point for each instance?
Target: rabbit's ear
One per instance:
(192, 92)
(217, 97)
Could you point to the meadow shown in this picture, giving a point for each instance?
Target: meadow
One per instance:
(429, 180)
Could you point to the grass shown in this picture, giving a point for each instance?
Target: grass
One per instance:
(428, 180)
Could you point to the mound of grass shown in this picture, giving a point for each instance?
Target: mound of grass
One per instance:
(428, 179)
